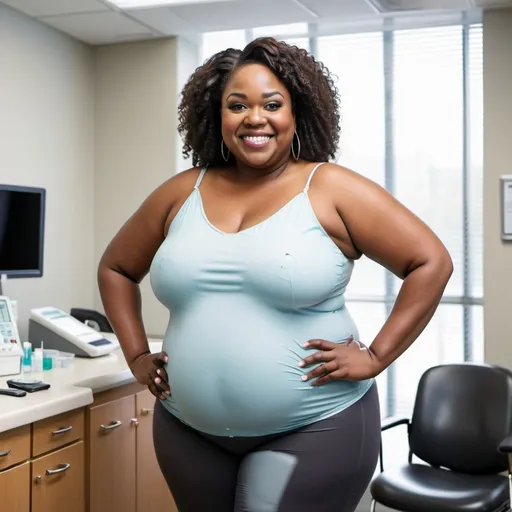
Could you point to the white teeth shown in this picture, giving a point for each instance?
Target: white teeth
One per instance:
(258, 140)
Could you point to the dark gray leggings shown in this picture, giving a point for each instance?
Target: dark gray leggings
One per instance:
(324, 467)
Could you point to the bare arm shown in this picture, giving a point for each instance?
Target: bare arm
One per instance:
(125, 263)
(388, 233)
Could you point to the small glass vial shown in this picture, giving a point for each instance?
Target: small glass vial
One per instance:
(27, 356)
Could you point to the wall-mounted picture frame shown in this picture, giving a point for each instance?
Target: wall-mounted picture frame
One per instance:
(506, 207)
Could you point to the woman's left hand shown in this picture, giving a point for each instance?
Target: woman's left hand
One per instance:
(348, 360)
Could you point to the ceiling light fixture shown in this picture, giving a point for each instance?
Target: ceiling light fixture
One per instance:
(149, 4)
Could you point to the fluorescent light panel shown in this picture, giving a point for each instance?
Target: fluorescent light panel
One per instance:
(148, 4)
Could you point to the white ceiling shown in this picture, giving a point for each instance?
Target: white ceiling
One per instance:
(98, 22)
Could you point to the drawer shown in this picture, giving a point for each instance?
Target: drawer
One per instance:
(57, 431)
(14, 446)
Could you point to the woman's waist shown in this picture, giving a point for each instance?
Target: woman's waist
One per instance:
(266, 345)
(224, 327)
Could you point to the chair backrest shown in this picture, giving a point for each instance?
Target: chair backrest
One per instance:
(461, 414)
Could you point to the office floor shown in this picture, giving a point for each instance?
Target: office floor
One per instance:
(364, 505)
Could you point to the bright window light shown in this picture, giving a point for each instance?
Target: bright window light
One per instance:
(148, 4)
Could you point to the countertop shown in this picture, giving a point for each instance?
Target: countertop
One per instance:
(71, 387)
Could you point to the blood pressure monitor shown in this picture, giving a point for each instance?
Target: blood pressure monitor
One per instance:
(59, 330)
(11, 351)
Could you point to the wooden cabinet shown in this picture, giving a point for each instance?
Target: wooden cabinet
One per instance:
(58, 480)
(42, 466)
(97, 459)
(121, 454)
(15, 488)
(152, 490)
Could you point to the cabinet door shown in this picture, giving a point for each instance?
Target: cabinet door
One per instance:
(112, 436)
(15, 489)
(58, 480)
(152, 490)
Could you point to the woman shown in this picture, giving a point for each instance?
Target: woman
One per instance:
(266, 396)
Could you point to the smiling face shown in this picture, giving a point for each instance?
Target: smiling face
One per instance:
(257, 119)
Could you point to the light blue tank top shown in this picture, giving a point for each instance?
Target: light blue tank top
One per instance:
(241, 306)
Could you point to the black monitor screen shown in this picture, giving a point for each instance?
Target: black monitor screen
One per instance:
(22, 211)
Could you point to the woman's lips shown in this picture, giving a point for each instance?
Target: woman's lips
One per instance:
(259, 141)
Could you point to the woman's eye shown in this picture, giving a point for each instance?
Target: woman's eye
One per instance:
(273, 106)
(236, 107)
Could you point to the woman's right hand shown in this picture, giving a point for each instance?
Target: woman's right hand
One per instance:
(148, 370)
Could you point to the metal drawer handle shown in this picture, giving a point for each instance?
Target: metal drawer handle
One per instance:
(62, 430)
(60, 469)
(145, 411)
(111, 426)
(4, 454)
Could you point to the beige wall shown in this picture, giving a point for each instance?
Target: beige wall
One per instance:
(136, 92)
(46, 140)
(497, 57)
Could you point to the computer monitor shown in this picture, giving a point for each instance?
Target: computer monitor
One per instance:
(22, 218)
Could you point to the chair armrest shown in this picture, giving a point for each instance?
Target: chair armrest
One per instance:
(393, 421)
(386, 424)
(506, 445)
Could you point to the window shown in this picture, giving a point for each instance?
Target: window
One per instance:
(411, 103)
(356, 60)
(214, 42)
(301, 42)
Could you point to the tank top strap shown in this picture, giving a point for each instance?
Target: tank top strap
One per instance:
(306, 188)
(200, 177)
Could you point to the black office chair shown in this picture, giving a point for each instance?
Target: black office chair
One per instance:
(461, 421)
(94, 319)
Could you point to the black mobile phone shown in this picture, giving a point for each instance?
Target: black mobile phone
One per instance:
(30, 386)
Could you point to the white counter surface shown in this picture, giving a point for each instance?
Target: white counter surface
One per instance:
(71, 388)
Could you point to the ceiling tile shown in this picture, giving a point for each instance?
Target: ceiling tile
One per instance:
(339, 9)
(164, 20)
(100, 28)
(39, 8)
(242, 14)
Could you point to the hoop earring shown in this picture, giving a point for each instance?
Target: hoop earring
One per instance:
(296, 155)
(225, 157)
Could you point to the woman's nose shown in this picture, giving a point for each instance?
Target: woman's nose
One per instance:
(255, 118)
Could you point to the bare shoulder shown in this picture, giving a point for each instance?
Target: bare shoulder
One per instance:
(179, 183)
(135, 244)
(379, 225)
(164, 197)
(354, 194)
(343, 180)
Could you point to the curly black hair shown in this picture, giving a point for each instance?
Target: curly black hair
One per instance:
(313, 93)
